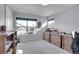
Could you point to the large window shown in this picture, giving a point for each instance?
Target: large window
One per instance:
(31, 27)
(50, 23)
(26, 26)
(21, 26)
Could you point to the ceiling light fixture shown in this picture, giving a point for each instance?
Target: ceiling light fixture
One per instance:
(45, 4)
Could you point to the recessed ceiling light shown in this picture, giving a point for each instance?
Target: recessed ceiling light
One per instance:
(45, 4)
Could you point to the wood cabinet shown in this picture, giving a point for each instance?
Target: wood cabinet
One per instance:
(52, 38)
(67, 41)
(46, 36)
(56, 40)
(8, 42)
(61, 40)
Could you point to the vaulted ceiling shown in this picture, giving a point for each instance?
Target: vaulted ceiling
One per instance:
(39, 9)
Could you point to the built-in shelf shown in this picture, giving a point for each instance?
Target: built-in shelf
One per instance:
(8, 44)
(6, 33)
(8, 40)
(15, 41)
(10, 51)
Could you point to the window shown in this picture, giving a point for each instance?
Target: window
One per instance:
(31, 27)
(21, 26)
(50, 23)
(25, 26)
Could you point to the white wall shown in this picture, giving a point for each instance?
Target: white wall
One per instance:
(67, 20)
(2, 14)
(39, 34)
(9, 18)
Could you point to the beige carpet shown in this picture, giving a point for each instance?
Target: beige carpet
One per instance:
(39, 47)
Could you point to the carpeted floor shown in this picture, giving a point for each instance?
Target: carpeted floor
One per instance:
(39, 47)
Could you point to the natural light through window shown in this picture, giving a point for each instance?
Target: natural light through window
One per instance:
(26, 26)
(21, 22)
(51, 22)
(32, 23)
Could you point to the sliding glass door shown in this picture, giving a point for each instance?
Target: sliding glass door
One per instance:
(31, 26)
(26, 26)
(21, 27)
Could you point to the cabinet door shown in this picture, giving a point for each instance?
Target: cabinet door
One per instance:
(67, 41)
(2, 45)
(53, 39)
(46, 36)
(56, 40)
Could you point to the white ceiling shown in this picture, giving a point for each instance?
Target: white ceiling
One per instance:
(38, 9)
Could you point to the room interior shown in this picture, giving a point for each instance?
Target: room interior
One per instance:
(38, 28)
